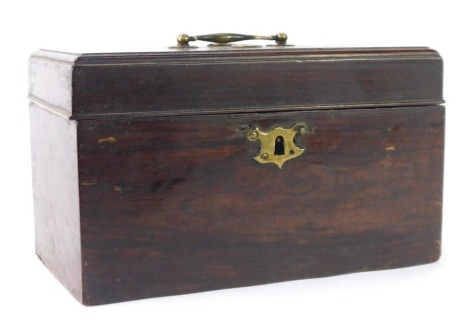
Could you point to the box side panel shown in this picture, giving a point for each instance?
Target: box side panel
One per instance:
(257, 84)
(55, 189)
(50, 80)
(179, 205)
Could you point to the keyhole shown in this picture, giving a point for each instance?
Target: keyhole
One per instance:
(279, 146)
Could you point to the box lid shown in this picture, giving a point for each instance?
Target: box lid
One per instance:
(231, 80)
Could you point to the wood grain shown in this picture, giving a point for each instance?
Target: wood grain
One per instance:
(259, 81)
(214, 81)
(145, 184)
(178, 205)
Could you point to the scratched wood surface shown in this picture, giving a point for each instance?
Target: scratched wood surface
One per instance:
(178, 205)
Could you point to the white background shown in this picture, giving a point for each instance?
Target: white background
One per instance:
(425, 295)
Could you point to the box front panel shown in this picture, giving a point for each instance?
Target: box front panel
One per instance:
(177, 205)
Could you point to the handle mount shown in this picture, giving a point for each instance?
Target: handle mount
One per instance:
(224, 38)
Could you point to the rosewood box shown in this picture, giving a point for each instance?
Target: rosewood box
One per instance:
(195, 169)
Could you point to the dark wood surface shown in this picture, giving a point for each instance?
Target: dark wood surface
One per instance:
(56, 205)
(256, 82)
(177, 205)
(145, 185)
(205, 80)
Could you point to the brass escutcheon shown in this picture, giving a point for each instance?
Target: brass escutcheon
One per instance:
(277, 144)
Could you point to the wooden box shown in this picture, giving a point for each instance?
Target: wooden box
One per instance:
(191, 169)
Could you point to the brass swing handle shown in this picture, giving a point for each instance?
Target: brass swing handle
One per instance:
(223, 38)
